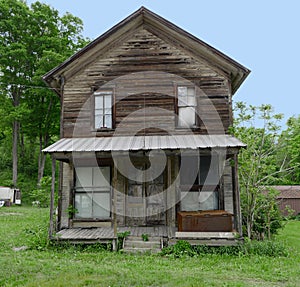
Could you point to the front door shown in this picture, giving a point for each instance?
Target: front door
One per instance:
(145, 204)
(155, 201)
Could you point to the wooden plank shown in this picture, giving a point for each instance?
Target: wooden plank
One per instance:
(144, 51)
(236, 196)
(221, 235)
(208, 242)
(52, 195)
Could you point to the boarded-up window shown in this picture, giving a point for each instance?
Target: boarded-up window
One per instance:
(186, 107)
(103, 109)
(92, 192)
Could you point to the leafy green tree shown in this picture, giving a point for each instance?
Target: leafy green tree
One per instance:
(258, 163)
(14, 66)
(290, 154)
(33, 40)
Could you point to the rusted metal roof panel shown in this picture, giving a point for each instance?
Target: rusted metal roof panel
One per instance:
(134, 143)
(288, 191)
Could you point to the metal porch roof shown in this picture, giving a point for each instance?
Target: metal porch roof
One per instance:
(135, 143)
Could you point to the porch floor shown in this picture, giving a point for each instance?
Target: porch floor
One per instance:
(107, 233)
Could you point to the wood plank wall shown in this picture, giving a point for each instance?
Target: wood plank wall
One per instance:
(144, 52)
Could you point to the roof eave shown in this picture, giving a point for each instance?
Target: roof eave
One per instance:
(238, 72)
(50, 76)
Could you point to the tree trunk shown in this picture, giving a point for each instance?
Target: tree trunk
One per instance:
(42, 158)
(41, 167)
(16, 126)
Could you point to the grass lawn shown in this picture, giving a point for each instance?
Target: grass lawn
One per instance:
(23, 226)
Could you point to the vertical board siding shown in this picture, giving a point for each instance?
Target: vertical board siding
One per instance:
(67, 177)
(228, 192)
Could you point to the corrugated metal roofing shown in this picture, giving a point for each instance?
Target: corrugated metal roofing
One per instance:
(134, 143)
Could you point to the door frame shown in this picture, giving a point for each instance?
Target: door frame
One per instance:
(143, 204)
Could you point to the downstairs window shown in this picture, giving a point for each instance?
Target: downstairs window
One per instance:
(200, 187)
(93, 192)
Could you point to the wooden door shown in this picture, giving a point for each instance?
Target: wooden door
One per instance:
(146, 202)
(156, 201)
(136, 203)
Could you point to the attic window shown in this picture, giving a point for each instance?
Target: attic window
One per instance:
(103, 109)
(186, 107)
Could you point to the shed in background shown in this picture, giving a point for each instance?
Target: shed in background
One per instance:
(289, 197)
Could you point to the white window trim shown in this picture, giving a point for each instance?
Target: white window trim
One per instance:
(186, 103)
(104, 114)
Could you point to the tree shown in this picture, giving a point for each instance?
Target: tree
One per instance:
(290, 154)
(33, 40)
(258, 164)
(14, 17)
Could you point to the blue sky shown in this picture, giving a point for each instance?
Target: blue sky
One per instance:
(262, 35)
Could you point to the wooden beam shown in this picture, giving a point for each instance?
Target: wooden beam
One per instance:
(115, 171)
(169, 197)
(51, 226)
(236, 197)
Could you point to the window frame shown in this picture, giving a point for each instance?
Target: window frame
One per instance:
(97, 93)
(200, 187)
(92, 192)
(178, 106)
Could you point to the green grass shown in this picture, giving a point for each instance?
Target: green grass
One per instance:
(71, 267)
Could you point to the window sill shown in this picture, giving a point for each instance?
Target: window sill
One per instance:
(188, 128)
(103, 130)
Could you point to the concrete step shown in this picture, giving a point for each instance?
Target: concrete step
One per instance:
(139, 238)
(135, 244)
(142, 244)
(141, 250)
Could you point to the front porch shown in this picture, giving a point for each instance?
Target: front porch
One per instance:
(161, 233)
(194, 196)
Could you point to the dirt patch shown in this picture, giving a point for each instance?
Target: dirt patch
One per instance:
(10, 213)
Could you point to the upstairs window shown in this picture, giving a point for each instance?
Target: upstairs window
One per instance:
(103, 109)
(186, 107)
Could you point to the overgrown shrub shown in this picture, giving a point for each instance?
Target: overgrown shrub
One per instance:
(263, 248)
(180, 249)
(267, 217)
(121, 238)
(37, 237)
(42, 193)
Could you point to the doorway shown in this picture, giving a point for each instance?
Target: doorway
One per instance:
(146, 201)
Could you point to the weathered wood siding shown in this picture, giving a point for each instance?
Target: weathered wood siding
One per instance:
(120, 199)
(141, 52)
(228, 187)
(157, 109)
(67, 179)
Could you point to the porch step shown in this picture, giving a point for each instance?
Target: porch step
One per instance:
(134, 244)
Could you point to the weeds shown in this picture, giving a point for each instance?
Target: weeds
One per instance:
(37, 237)
(121, 238)
(145, 237)
(261, 248)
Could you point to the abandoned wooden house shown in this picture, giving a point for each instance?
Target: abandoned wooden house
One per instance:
(145, 145)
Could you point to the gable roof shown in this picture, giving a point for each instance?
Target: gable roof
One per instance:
(146, 18)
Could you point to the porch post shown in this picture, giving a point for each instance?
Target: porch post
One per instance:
(236, 195)
(114, 207)
(51, 226)
(169, 218)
